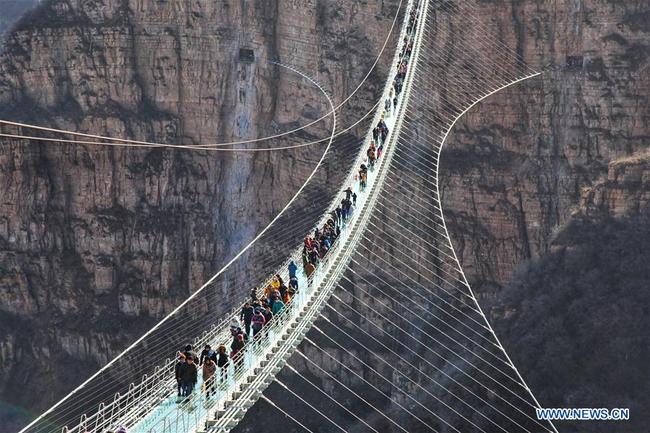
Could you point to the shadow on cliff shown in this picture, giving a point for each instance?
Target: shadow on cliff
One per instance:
(576, 321)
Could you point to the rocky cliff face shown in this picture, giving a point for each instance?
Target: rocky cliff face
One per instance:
(91, 238)
(516, 166)
(546, 197)
(96, 243)
(624, 192)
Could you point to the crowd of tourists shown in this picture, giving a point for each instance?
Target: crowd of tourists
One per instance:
(256, 313)
(264, 305)
(259, 311)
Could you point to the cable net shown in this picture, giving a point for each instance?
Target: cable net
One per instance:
(403, 344)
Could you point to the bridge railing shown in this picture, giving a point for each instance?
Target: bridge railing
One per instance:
(128, 407)
(153, 388)
(190, 413)
(182, 419)
(196, 408)
(134, 405)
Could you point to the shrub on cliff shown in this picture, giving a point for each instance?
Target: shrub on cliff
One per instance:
(580, 320)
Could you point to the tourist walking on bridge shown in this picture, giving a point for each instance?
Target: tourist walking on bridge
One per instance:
(188, 376)
(268, 315)
(222, 361)
(268, 291)
(335, 217)
(383, 130)
(293, 269)
(371, 155)
(314, 254)
(278, 305)
(236, 352)
(288, 296)
(258, 322)
(246, 316)
(283, 290)
(388, 103)
(177, 369)
(276, 282)
(363, 177)
(205, 354)
(209, 369)
(235, 326)
(348, 193)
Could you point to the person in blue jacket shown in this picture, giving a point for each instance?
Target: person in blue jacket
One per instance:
(292, 269)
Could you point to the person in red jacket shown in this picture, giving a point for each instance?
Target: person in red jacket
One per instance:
(236, 350)
(258, 322)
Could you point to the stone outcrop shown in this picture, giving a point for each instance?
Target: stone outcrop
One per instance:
(625, 191)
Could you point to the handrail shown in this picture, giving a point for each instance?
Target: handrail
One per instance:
(261, 344)
(324, 293)
(130, 413)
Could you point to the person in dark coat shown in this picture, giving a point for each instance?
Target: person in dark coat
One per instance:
(188, 376)
(177, 367)
(205, 354)
(283, 290)
(313, 257)
(268, 315)
(222, 361)
(254, 297)
(293, 284)
(246, 316)
(339, 213)
(236, 350)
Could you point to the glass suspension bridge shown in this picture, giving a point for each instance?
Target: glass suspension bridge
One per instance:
(386, 334)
